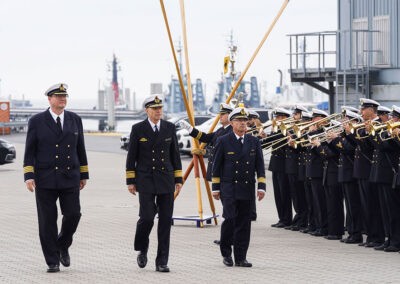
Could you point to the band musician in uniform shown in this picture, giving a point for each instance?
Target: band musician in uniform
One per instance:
(238, 158)
(55, 167)
(154, 170)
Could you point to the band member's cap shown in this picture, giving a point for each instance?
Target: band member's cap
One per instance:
(281, 111)
(253, 114)
(153, 101)
(353, 109)
(396, 111)
(299, 108)
(319, 113)
(225, 108)
(383, 110)
(239, 112)
(352, 115)
(57, 89)
(368, 103)
(305, 115)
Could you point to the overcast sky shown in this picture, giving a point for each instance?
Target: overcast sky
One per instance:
(43, 42)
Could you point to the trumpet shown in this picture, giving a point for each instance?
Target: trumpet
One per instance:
(377, 127)
(392, 125)
(298, 130)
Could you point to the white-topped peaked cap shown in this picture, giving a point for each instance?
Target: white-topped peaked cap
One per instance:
(353, 109)
(395, 111)
(57, 89)
(153, 101)
(225, 108)
(305, 115)
(368, 103)
(383, 110)
(319, 113)
(253, 114)
(353, 115)
(239, 112)
(281, 111)
(298, 108)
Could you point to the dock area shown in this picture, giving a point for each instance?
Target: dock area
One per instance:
(102, 251)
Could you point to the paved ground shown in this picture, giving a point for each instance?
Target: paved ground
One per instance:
(103, 246)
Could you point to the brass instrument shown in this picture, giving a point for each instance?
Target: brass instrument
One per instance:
(378, 127)
(298, 130)
(392, 125)
(355, 126)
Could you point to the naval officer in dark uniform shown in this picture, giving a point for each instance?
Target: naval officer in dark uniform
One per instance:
(55, 167)
(154, 170)
(238, 158)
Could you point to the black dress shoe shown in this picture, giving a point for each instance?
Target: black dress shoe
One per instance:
(391, 249)
(162, 268)
(333, 237)
(362, 244)
(64, 257)
(305, 231)
(142, 259)
(288, 227)
(381, 247)
(275, 225)
(296, 228)
(372, 244)
(53, 268)
(280, 225)
(227, 260)
(351, 240)
(243, 263)
(217, 242)
(318, 234)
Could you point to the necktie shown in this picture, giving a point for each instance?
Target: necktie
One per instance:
(241, 141)
(155, 129)
(59, 123)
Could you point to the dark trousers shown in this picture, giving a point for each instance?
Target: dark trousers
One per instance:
(310, 209)
(353, 209)
(282, 197)
(299, 200)
(382, 188)
(235, 230)
(335, 211)
(150, 205)
(319, 205)
(46, 202)
(392, 198)
(371, 211)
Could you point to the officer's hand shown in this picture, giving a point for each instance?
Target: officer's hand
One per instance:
(30, 185)
(216, 195)
(185, 125)
(132, 189)
(178, 188)
(82, 184)
(260, 194)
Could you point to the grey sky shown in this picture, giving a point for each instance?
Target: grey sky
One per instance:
(43, 42)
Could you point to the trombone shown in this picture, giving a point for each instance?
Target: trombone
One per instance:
(298, 130)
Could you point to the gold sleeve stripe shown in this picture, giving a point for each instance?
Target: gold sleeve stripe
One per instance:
(84, 169)
(199, 135)
(130, 174)
(178, 173)
(261, 179)
(29, 169)
(216, 180)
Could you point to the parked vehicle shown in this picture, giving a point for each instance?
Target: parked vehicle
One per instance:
(7, 152)
(198, 119)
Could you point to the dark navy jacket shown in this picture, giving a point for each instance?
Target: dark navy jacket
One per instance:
(330, 155)
(236, 165)
(277, 160)
(153, 162)
(210, 139)
(54, 159)
(346, 159)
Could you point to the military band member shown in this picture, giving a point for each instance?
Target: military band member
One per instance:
(383, 113)
(314, 171)
(369, 193)
(238, 158)
(55, 167)
(297, 191)
(154, 170)
(280, 181)
(351, 193)
(253, 121)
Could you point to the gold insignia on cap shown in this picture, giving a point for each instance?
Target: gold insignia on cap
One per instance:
(243, 112)
(157, 100)
(62, 88)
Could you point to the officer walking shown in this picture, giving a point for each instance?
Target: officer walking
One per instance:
(55, 167)
(238, 157)
(154, 170)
